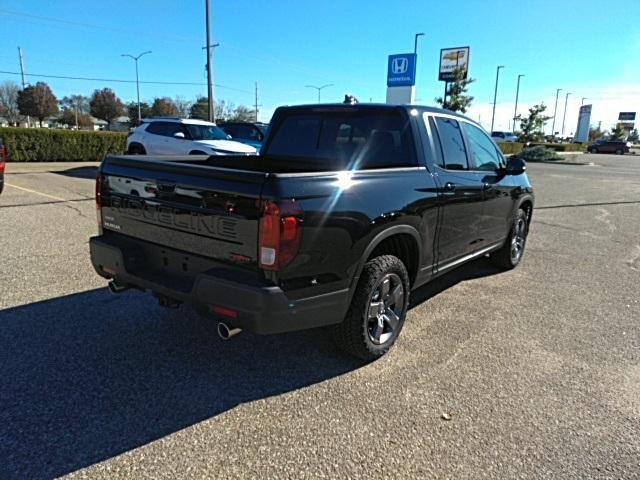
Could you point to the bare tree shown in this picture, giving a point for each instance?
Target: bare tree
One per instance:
(183, 105)
(9, 102)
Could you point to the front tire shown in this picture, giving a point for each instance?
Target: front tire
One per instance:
(378, 309)
(510, 254)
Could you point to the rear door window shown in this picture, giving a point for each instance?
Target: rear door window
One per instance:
(439, 160)
(453, 148)
(157, 128)
(165, 129)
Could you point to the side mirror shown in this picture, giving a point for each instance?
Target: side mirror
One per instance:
(179, 135)
(515, 166)
(229, 137)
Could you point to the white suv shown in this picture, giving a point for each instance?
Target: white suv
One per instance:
(175, 136)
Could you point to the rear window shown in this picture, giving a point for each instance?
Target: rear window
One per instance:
(352, 139)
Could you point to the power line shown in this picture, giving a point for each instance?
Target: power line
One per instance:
(118, 80)
(98, 27)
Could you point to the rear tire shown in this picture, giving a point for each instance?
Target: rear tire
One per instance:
(511, 253)
(136, 149)
(378, 309)
(594, 150)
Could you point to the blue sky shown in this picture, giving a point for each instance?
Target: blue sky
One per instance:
(587, 47)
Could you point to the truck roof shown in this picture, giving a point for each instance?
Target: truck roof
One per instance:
(376, 106)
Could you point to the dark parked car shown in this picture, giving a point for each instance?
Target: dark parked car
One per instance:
(346, 211)
(609, 146)
(4, 156)
(250, 133)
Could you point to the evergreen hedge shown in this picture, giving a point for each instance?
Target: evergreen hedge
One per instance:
(509, 148)
(562, 147)
(52, 145)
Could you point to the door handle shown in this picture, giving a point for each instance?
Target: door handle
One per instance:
(449, 187)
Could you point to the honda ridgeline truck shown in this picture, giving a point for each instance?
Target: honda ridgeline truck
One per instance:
(345, 211)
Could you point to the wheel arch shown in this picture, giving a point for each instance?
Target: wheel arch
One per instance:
(526, 204)
(403, 241)
(136, 144)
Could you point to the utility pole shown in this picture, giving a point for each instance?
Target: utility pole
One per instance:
(256, 102)
(135, 59)
(24, 80)
(555, 110)
(564, 116)
(319, 89)
(209, 47)
(495, 96)
(515, 110)
(583, 99)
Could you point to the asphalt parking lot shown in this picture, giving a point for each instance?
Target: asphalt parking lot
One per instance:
(538, 369)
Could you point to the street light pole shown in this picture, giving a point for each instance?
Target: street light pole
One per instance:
(495, 95)
(515, 110)
(583, 99)
(135, 59)
(555, 110)
(319, 89)
(564, 116)
(415, 43)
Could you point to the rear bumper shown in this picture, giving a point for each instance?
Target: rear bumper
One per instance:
(261, 307)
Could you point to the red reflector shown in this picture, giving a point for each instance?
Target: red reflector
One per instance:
(227, 312)
(289, 228)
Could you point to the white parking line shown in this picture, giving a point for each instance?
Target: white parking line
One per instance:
(36, 192)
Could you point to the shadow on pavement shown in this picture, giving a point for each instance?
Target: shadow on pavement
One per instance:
(88, 376)
(91, 375)
(479, 268)
(88, 172)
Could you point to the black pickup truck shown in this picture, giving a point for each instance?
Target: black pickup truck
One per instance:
(345, 211)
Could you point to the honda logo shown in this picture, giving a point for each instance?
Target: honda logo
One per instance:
(400, 65)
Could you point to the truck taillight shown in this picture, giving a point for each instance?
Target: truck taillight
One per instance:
(4, 156)
(280, 234)
(99, 182)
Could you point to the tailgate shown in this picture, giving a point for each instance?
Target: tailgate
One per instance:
(200, 209)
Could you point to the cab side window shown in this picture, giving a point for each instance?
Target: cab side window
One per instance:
(450, 135)
(484, 155)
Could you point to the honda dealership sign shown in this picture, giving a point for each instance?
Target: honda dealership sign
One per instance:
(401, 70)
(401, 78)
(452, 59)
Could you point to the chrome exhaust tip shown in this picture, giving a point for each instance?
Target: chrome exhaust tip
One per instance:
(226, 332)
